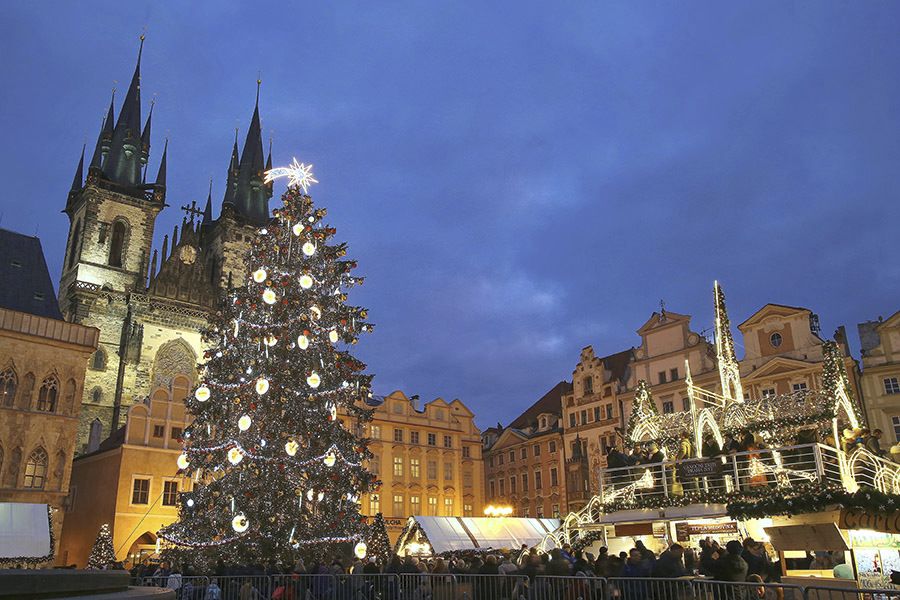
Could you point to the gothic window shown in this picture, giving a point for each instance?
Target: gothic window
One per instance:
(174, 360)
(36, 469)
(27, 390)
(8, 388)
(74, 246)
(47, 395)
(117, 244)
(97, 395)
(98, 360)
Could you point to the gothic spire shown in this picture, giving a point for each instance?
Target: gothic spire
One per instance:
(207, 210)
(161, 174)
(78, 181)
(145, 136)
(125, 157)
(106, 131)
(251, 195)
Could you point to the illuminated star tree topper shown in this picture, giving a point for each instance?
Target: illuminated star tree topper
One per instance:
(298, 174)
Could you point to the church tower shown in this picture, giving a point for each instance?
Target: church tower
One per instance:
(112, 213)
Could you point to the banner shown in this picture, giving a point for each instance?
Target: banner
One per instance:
(855, 518)
(691, 469)
(684, 530)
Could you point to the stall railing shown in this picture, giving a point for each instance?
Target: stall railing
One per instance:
(741, 471)
(705, 589)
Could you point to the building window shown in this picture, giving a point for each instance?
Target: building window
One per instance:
(536, 450)
(176, 433)
(96, 395)
(588, 385)
(448, 507)
(895, 421)
(415, 508)
(47, 395)
(673, 374)
(375, 432)
(98, 360)
(36, 469)
(668, 407)
(524, 453)
(526, 512)
(140, 491)
(414, 468)
(170, 493)
(448, 471)
(543, 422)
(512, 456)
(775, 339)
(432, 439)
(398, 506)
(466, 452)
(448, 441)
(891, 386)
(375, 464)
(8, 388)
(374, 504)
(597, 413)
(552, 446)
(432, 469)
(540, 511)
(609, 411)
(583, 417)
(799, 387)
(432, 506)
(413, 437)
(686, 403)
(398, 435)
(768, 393)
(159, 431)
(662, 376)
(494, 491)
(554, 476)
(571, 419)
(524, 482)
(467, 510)
(512, 484)
(117, 244)
(555, 509)
(398, 466)
(502, 487)
(500, 459)
(537, 480)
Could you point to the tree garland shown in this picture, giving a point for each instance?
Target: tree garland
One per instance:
(773, 504)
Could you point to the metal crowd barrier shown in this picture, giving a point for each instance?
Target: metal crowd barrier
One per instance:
(450, 586)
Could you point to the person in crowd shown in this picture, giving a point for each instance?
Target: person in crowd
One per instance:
(873, 443)
(213, 591)
(558, 566)
(670, 563)
(690, 561)
(731, 567)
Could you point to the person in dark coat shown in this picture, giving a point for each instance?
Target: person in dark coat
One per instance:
(669, 565)
(731, 567)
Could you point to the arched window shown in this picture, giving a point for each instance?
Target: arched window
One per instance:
(75, 245)
(48, 393)
(96, 395)
(117, 244)
(8, 388)
(36, 469)
(98, 360)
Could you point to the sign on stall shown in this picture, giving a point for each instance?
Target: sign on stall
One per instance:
(684, 530)
(855, 518)
(691, 469)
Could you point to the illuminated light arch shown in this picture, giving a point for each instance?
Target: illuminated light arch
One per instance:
(706, 420)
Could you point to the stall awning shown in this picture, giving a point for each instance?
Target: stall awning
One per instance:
(470, 533)
(24, 530)
(822, 536)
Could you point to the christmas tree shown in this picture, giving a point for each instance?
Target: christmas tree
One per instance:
(102, 554)
(379, 547)
(275, 445)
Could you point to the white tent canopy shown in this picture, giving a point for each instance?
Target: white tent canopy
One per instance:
(447, 534)
(24, 530)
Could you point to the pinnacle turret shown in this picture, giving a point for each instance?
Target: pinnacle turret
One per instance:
(247, 191)
(78, 181)
(126, 152)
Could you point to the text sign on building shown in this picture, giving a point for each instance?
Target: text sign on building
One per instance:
(699, 468)
(684, 530)
(854, 518)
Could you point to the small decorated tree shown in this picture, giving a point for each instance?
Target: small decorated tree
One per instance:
(102, 554)
(379, 544)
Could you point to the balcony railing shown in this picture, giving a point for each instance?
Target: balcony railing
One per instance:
(739, 472)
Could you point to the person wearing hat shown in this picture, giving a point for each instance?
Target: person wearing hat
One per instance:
(731, 567)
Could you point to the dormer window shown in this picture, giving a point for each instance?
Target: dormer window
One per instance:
(543, 422)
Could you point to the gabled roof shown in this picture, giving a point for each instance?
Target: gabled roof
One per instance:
(617, 364)
(551, 402)
(772, 308)
(666, 319)
(25, 283)
(776, 366)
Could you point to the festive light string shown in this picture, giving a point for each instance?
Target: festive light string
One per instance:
(300, 463)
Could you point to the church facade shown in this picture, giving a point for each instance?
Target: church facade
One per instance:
(149, 304)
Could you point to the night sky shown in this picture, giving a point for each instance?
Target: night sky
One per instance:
(517, 180)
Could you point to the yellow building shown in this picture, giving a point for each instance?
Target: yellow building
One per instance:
(130, 481)
(880, 381)
(428, 461)
(42, 365)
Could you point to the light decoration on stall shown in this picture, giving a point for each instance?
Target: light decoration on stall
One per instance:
(498, 511)
(275, 471)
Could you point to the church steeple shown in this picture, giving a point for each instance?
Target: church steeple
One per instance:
(126, 153)
(249, 195)
(78, 181)
(159, 186)
(145, 136)
(207, 210)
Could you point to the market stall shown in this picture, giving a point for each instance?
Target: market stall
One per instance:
(431, 536)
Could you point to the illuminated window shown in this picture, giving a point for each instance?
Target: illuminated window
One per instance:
(432, 506)
(415, 507)
(448, 507)
(398, 506)
(555, 510)
(140, 491)
(374, 504)
(36, 469)
(375, 432)
(414, 468)
(8, 388)
(398, 466)
(170, 493)
(467, 510)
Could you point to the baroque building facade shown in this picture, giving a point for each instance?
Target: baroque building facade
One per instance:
(880, 380)
(42, 367)
(150, 304)
(427, 459)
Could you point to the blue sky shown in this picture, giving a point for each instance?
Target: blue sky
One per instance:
(517, 179)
